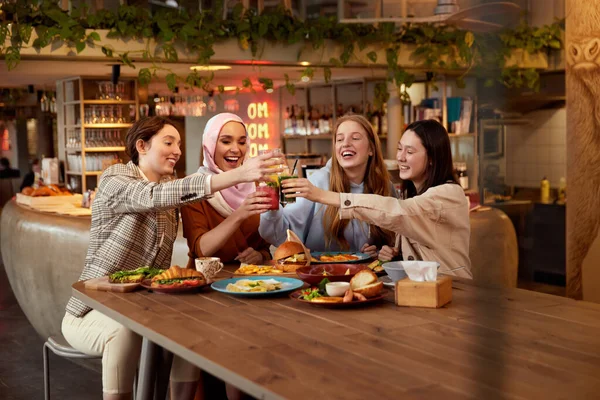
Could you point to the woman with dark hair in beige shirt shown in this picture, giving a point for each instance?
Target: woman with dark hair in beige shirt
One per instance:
(432, 216)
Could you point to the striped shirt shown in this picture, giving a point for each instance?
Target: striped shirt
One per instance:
(134, 223)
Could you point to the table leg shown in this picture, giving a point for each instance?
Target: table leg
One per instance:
(147, 375)
(162, 375)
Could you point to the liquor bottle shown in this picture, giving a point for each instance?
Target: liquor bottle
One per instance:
(383, 121)
(287, 123)
(323, 124)
(300, 126)
(314, 121)
(339, 111)
(293, 127)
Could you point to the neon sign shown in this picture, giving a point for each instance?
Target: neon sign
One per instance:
(259, 127)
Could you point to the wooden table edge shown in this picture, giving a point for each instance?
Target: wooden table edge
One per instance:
(215, 369)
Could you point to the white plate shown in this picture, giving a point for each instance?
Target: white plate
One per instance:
(387, 281)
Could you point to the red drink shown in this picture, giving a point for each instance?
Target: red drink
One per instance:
(272, 191)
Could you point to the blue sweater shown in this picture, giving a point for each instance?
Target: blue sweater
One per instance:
(305, 219)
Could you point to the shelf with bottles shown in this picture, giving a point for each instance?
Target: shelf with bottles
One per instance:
(94, 163)
(96, 114)
(319, 124)
(96, 140)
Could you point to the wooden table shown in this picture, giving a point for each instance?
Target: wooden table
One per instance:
(489, 343)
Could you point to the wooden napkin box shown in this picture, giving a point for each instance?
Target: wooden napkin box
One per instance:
(424, 294)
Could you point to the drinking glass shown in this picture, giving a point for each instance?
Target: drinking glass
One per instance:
(283, 199)
(271, 189)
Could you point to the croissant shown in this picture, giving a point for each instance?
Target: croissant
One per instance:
(176, 272)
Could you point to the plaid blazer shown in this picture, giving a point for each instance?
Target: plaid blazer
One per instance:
(134, 223)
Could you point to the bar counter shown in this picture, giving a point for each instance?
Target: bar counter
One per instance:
(44, 254)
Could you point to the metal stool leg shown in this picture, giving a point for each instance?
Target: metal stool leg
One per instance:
(46, 373)
(147, 375)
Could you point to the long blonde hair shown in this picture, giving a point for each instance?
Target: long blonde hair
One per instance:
(376, 181)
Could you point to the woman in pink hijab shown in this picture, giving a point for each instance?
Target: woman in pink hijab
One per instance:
(226, 225)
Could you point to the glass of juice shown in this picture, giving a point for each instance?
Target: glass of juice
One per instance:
(283, 199)
(272, 190)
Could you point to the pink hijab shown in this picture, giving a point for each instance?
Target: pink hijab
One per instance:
(235, 195)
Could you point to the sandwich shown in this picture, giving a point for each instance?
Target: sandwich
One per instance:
(134, 276)
(365, 283)
(291, 254)
(176, 277)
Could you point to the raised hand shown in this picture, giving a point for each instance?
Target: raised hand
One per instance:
(255, 203)
(371, 250)
(301, 188)
(250, 256)
(258, 168)
(387, 253)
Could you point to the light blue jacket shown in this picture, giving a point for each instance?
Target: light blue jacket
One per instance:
(305, 219)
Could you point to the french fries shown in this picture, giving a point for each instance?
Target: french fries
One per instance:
(252, 269)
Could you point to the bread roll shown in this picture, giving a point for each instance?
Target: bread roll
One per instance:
(363, 278)
(371, 290)
(288, 249)
(27, 191)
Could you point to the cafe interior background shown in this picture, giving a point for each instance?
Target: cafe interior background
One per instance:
(509, 142)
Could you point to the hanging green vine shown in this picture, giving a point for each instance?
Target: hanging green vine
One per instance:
(437, 48)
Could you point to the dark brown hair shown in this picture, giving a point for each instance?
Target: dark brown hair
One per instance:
(376, 181)
(144, 129)
(439, 170)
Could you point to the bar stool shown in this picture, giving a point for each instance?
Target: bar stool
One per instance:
(60, 347)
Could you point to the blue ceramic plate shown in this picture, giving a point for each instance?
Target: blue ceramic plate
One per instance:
(288, 285)
(362, 257)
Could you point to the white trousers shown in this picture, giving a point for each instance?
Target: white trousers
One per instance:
(120, 348)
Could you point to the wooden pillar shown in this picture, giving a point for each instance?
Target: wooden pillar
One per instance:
(583, 148)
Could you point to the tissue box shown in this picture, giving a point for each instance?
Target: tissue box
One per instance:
(424, 294)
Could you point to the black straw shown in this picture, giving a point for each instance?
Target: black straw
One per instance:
(295, 163)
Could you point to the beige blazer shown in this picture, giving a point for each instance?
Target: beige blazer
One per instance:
(434, 226)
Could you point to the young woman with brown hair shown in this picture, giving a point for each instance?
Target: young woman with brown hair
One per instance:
(134, 224)
(356, 166)
(432, 215)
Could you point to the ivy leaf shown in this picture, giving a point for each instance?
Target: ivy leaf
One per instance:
(555, 44)
(460, 83)
(25, 32)
(291, 88)
(144, 76)
(263, 28)
(469, 38)
(488, 83)
(122, 26)
(170, 53)
(372, 56)
(126, 60)
(171, 81)
(335, 62)
(94, 36)
(12, 57)
(107, 51)
(3, 34)
(221, 89)
(163, 25)
(79, 46)
(147, 32)
(327, 74)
